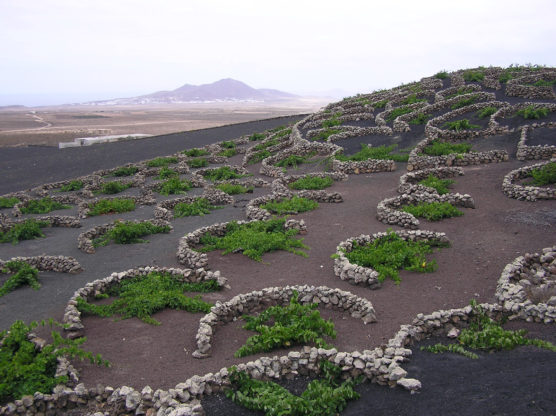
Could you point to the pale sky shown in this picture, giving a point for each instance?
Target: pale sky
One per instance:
(57, 51)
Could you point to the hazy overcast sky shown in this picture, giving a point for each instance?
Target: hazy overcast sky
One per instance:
(59, 49)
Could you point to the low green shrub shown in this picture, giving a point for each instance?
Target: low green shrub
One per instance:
(532, 113)
(286, 326)
(543, 176)
(505, 77)
(379, 104)
(327, 396)
(460, 91)
(379, 152)
(26, 369)
(228, 145)
(332, 122)
(257, 136)
(228, 152)
(222, 174)
(487, 111)
(143, 296)
(72, 186)
(231, 189)
(198, 162)
(42, 206)
(325, 134)
(111, 188)
(174, 186)
(266, 144)
(433, 211)
(293, 205)
(544, 83)
(8, 202)
(254, 239)
(390, 253)
(438, 148)
(486, 335)
(22, 274)
(129, 232)
(312, 183)
(111, 206)
(166, 173)
(283, 132)
(398, 111)
(200, 206)
(196, 152)
(473, 76)
(125, 171)
(459, 125)
(420, 118)
(464, 103)
(441, 185)
(162, 161)
(291, 161)
(412, 99)
(259, 156)
(26, 230)
(441, 75)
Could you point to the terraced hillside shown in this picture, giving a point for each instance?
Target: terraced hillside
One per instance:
(388, 213)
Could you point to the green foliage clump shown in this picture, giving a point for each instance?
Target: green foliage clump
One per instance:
(464, 102)
(111, 188)
(196, 152)
(312, 183)
(232, 189)
(283, 132)
(460, 91)
(228, 144)
(266, 144)
(125, 171)
(544, 83)
(379, 104)
(259, 156)
(412, 99)
(254, 239)
(433, 211)
(441, 185)
(459, 125)
(473, 76)
(111, 206)
(162, 161)
(222, 174)
(143, 296)
(532, 113)
(22, 274)
(257, 136)
(293, 324)
(327, 396)
(380, 152)
(398, 111)
(486, 335)
(486, 112)
(166, 173)
(437, 148)
(129, 232)
(26, 230)
(42, 206)
(291, 161)
(8, 202)
(72, 186)
(420, 118)
(325, 134)
(390, 253)
(26, 369)
(174, 186)
(228, 152)
(505, 76)
(545, 175)
(198, 162)
(332, 122)
(200, 206)
(441, 75)
(293, 205)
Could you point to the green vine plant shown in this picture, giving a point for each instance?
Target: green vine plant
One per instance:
(379, 152)
(8, 202)
(129, 232)
(543, 176)
(72, 186)
(484, 334)
(21, 274)
(42, 206)
(26, 369)
(311, 183)
(200, 206)
(125, 171)
(232, 189)
(438, 148)
(433, 211)
(143, 296)
(441, 185)
(111, 206)
(326, 396)
(253, 239)
(26, 230)
(293, 324)
(293, 205)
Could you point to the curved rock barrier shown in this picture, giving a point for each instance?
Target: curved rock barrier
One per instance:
(527, 287)
(366, 276)
(526, 152)
(72, 316)
(409, 181)
(195, 260)
(388, 210)
(517, 87)
(62, 264)
(52, 220)
(524, 192)
(164, 210)
(258, 300)
(62, 199)
(83, 208)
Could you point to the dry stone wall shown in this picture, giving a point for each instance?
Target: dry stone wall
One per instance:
(409, 181)
(525, 192)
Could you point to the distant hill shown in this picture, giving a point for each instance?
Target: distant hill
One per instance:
(225, 90)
